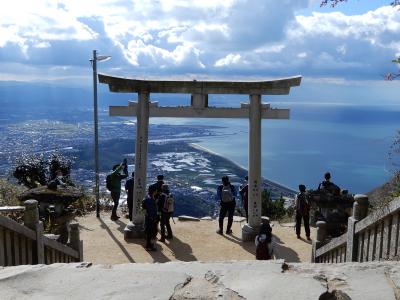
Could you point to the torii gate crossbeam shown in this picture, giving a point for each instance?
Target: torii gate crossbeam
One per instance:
(255, 111)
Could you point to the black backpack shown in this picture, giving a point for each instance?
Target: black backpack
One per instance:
(108, 182)
(262, 251)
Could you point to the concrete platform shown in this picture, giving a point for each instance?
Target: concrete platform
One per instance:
(195, 280)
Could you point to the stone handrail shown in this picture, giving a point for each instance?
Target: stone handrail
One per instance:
(368, 238)
(377, 215)
(26, 244)
(8, 209)
(335, 243)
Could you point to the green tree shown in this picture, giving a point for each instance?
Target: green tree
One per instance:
(33, 170)
(273, 208)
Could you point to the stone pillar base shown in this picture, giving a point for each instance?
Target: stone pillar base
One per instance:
(249, 233)
(134, 231)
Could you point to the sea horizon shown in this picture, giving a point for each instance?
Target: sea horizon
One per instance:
(350, 141)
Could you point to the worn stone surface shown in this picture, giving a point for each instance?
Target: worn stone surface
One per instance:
(239, 219)
(188, 218)
(196, 280)
(62, 194)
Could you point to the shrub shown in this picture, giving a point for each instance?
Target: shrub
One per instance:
(273, 208)
(33, 170)
(9, 193)
(9, 197)
(30, 170)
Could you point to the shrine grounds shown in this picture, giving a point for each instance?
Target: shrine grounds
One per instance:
(104, 243)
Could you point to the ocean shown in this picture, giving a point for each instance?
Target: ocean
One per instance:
(351, 142)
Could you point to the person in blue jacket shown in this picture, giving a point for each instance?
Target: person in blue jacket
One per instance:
(226, 194)
(151, 217)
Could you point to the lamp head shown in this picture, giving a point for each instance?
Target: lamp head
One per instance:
(103, 57)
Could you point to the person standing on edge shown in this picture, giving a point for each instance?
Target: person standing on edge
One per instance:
(244, 194)
(113, 181)
(328, 185)
(302, 212)
(129, 192)
(226, 194)
(158, 184)
(165, 205)
(150, 219)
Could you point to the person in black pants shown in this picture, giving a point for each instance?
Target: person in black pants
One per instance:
(129, 184)
(158, 186)
(165, 210)
(150, 220)
(115, 185)
(302, 212)
(226, 194)
(244, 194)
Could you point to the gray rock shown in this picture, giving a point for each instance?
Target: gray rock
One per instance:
(66, 194)
(60, 198)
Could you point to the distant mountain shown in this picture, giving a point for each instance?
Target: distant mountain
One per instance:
(26, 96)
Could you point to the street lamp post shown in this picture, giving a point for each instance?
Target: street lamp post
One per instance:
(94, 61)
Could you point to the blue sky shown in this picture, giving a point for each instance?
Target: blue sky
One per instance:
(345, 50)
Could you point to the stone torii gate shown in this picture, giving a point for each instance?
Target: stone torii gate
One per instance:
(255, 111)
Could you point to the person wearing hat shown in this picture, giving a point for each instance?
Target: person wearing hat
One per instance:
(165, 204)
(244, 194)
(302, 212)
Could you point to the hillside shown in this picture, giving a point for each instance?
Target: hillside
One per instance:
(385, 191)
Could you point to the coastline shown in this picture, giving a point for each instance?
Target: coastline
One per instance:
(271, 182)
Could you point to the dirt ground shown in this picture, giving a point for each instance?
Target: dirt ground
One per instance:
(103, 243)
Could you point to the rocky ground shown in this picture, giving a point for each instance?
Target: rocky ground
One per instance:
(104, 243)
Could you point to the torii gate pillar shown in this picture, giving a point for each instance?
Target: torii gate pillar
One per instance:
(255, 182)
(142, 137)
(255, 111)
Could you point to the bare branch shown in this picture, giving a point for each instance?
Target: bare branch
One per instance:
(333, 3)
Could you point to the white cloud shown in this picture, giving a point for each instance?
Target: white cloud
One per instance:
(183, 55)
(302, 55)
(40, 21)
(231, 37)
(230, 59)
